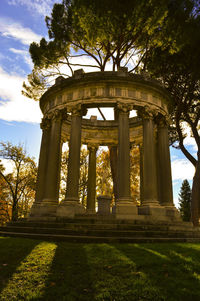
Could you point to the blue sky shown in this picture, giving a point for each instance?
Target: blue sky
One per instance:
(22, 22)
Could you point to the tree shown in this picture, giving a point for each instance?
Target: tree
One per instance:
(185, 201)
(180, 73)
(20, 183)
(82, 29)
(4, 208)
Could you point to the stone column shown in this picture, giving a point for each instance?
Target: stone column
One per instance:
(52, 183)
(164, 167)
(70, 205)
(150, 204)
(141, 173)
(125, 207)
(42, 168)
(91, 188)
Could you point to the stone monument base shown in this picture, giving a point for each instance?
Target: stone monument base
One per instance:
(68, 208)
(126, 209)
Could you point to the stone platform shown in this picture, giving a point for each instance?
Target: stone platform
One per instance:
(99, 229)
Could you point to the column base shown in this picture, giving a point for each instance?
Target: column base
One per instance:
(35, 211)
(172, 211)
(125, 208)
(44, 211)
(90, 212)
(159, 213)
(68, 208)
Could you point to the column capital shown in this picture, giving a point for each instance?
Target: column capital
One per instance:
(163, 121)
(148, 113)
(124, 107)
(92, 147)
(77, 110)
(59, 114)
(45, 123)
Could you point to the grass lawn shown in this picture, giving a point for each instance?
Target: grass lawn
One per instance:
(38, 270)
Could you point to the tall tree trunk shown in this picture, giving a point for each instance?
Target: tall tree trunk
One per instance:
(195, 206)
(14, 210)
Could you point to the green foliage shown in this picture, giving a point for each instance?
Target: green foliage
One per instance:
(185, 201)
(104, 32)
(19, 184)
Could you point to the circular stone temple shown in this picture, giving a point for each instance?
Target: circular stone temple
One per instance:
(64, 106)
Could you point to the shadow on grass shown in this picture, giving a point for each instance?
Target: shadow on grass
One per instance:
(12, 253)
(69, 276)
(173, 269)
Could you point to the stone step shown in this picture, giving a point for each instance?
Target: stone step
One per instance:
(77, 225)
(101, 232)
(94, 239)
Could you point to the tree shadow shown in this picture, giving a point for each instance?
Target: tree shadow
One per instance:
(69, 276)
(12, 253)
(174, 269)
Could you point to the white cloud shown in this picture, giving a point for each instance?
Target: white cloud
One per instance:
(182, 169)
(13, 105)
(189, 141)
(12, 29)
(25, 54)
(41, 7)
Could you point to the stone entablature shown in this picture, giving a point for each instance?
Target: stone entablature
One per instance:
(106, 89)
(103, 132)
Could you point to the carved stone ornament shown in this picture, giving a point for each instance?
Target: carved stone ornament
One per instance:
(124, 108)
(45, 124)
(148, 113)
(163, 121)
(77, 110)
(92, 147)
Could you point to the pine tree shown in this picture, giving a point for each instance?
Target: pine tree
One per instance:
(185, 201)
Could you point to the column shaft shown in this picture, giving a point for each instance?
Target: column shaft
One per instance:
(74, 158)
(164, 166)
(123, 155)
(54, 158)
(141, 174)
(43, 160)
(149, 176)
(91, 190)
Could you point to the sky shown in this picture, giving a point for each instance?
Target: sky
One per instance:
(22, 22)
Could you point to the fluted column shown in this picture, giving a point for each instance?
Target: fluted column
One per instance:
(141, 173)
(42, 166)
(150, 196)
(125, 206)
(74, 155)
(123, 153)
(70, 205)
(164, 163)
(91, 188)
(52, 182)
(43, 159)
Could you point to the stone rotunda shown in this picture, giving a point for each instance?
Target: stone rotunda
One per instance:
(64, 106)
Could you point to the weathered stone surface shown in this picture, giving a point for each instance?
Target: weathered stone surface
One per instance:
(64, 106)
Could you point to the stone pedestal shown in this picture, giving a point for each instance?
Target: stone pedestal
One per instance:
(126, 209)
(104, 202)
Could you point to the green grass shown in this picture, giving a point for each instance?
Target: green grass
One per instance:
(38, 270)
